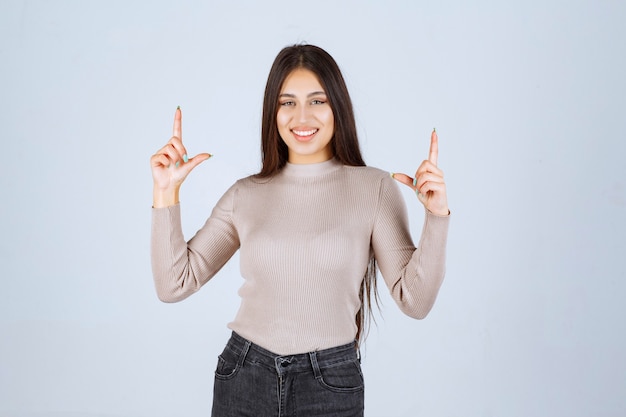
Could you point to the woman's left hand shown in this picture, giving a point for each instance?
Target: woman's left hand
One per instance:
(428, 182)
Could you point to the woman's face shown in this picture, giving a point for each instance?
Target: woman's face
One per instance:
(305, 120)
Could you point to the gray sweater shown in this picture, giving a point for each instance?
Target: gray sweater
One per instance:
(304, 238)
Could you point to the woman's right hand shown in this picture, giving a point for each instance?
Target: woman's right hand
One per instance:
(170, 166)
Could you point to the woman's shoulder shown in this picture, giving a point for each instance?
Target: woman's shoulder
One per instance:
(240, 190)
(370, 181)
(367, 172)
(252, 181)
(244, 185)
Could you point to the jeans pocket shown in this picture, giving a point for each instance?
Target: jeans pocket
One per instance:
(342, 377)
(227, 364)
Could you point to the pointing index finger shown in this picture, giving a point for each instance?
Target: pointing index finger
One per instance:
(434, 148)
(178, 124)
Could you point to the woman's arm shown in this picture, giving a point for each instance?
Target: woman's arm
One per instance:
(413, 275)
(179, 268)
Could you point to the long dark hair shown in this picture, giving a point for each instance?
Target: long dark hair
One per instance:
(344, 144)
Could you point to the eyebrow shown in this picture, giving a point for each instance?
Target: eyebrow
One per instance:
(314, 93)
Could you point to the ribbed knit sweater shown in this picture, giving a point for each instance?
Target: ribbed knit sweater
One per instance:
(304, 238)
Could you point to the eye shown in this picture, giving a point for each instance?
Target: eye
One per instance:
(287, 103)
(318, 101)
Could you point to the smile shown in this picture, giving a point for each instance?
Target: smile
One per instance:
(305, 132)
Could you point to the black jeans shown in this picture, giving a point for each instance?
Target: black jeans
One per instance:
(252, 381)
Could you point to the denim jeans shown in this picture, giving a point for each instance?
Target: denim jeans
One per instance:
(252, 381)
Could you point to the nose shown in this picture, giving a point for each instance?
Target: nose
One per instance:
(303, 114)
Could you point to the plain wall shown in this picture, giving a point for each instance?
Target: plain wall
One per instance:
(529, 101)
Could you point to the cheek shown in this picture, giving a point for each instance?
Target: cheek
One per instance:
(281, 120)
(328, 116)
(330, 120)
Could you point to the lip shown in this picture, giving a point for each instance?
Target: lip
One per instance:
(304, 135)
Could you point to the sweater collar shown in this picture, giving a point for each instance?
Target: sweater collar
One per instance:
(311, 170)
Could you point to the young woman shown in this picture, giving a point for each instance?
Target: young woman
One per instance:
(312, 228)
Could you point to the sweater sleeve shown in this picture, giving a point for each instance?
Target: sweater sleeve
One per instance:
(413, 275)
(180, 268)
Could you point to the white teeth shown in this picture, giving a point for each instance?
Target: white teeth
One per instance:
(304, 132)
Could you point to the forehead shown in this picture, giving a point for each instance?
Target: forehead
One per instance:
(301, 80)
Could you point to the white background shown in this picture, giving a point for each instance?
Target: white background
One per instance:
(529, 100)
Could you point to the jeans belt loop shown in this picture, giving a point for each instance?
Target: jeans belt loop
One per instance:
(315, 365)
(244, 353)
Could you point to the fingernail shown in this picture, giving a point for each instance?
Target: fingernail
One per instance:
(392, 174)
(414, 182)
(177, 107)
(185, 158)
(434, 130)
(177, 164)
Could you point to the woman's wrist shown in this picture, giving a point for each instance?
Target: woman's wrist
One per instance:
(165, 198)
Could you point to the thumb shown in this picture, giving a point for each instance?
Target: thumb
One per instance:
(403, 178)
(197, 160)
